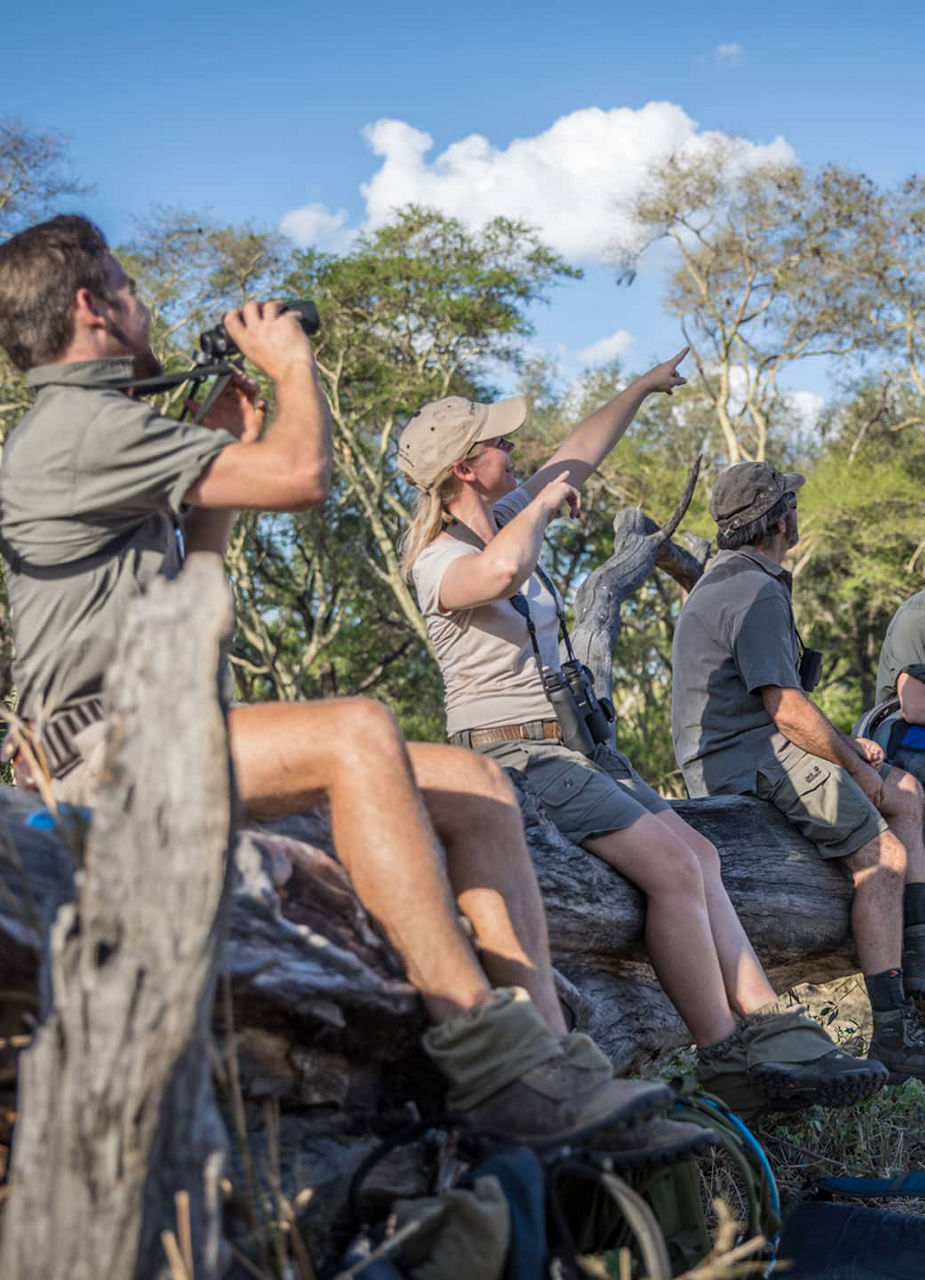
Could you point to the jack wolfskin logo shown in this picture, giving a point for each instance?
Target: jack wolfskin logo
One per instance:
(814, 773)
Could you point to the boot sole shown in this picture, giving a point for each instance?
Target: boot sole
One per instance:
(843, 1090)
(654, 1157)
(643, 1108)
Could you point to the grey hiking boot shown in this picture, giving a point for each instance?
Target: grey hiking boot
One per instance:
(780, 1059)
(899, 1043)
(508, 1073)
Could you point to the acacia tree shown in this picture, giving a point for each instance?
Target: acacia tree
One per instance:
(766, 275)
(417, 310)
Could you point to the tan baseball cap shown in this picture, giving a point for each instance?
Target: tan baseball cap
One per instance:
(444, 431)
(747, 490)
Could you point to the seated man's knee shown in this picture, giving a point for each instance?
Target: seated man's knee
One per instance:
(885, 857)
(481, 775)
(904, 794)
(366, 726)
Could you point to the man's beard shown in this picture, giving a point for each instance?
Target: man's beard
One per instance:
(147, 365)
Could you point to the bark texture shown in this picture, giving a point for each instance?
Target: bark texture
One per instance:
(640, 545)
(116, 1110)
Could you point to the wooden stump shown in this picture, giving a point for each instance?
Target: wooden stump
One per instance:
(116, 1110)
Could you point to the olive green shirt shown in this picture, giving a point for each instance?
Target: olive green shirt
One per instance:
(91, 490)
(903, 644)
(736, 635)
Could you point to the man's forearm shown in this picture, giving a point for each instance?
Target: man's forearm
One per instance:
(301, 427)
(800, 720)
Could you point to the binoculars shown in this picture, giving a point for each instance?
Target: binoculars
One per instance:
(217, 344)
(585, 718)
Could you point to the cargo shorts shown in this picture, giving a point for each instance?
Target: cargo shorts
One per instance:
(583, 795)
(821, 800)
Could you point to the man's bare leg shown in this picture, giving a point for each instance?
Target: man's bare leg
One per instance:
(878, 869)
(902, 808)
(287, 756)
(476, 815)
(505, 1067)
(747, 985)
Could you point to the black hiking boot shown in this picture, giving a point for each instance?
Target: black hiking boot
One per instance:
(899, 1043)
(834, 1080)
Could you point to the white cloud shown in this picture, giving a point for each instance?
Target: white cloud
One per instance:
(316, 225)
(729, 55)
(570, 180)
(607, 349)
(806, 407)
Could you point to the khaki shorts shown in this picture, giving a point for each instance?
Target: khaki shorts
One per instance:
(583, 795)
(822, 800)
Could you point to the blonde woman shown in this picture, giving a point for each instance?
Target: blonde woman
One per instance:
(473, 551)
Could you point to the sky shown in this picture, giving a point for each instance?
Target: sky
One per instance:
(319, 119)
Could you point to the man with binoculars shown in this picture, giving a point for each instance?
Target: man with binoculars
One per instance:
(94, 487)
(743, 724)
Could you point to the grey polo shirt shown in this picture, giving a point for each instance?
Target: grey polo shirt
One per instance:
(91, 485)
(735, 635)
(903, 644)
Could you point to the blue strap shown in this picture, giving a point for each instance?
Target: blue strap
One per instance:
(914, 738)
(907, 1184)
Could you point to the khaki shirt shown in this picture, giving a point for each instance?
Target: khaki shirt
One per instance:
(91, 488)
(903, 644)
(735, 634)
(486, 659)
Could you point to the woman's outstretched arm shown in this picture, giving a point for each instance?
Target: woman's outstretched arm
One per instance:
(585, 448)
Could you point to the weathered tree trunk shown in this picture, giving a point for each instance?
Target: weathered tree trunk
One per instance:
(640, 545)
(116, 1110)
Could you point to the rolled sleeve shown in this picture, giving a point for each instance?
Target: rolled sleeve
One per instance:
(763, 648)
(133, 460)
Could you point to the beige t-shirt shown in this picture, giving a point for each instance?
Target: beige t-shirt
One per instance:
(486, 659)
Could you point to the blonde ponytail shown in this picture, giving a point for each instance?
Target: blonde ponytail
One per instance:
(431, 515)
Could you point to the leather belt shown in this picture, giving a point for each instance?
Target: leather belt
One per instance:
(57, 736)
(533, 731)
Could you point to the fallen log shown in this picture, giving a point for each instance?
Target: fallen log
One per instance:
(327, 1027)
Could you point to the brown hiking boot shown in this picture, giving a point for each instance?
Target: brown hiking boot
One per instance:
(558, 1102)
(508, 1073)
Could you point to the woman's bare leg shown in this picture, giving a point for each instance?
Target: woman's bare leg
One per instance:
(747, 985)
(679, 938)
